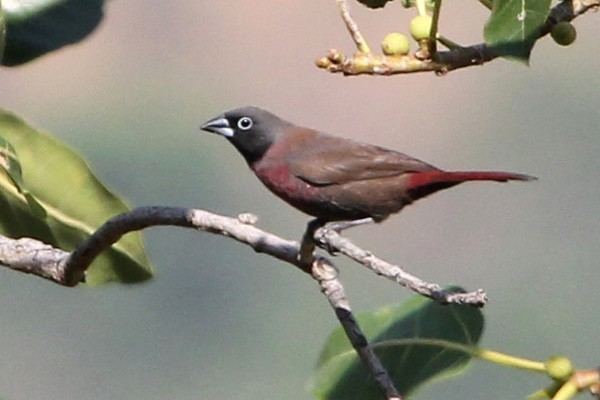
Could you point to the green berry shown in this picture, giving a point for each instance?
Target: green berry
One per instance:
(420, 27)
(395, 44)
(563, 33)
(559, 368)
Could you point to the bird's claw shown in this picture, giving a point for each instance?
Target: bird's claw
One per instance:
(322, 242)
(330, 249)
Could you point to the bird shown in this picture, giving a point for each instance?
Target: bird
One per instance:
(333, 178)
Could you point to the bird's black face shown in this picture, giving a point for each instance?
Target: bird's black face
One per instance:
(250, 129)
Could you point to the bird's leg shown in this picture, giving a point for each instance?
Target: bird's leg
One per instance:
(307, 247)
(340, 226)
(343, 225)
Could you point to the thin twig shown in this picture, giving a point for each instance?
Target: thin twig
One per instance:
(588, 379)
(325, 274)
(331, 240)
(359, 40)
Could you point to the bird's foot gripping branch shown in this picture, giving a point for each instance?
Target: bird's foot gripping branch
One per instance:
(512, 30)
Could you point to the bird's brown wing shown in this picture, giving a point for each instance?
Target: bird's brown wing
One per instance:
(324, 160)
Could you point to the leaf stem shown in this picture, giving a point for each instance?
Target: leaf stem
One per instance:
(487, 3)
(474, 351)
(434, 27)
(509, 361)
(567, 391)
(421, 7)
(449, 43)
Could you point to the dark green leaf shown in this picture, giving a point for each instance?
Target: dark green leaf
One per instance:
(2, 31)
(35, 27)
(514, 26)
(61, 202)
(374, 3)
(404, 338)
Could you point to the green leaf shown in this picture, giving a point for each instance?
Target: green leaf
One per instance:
(36, 27)
(11, 167)
(9, 163)
(514, 26)
(374, 3)
(2, 31)
(414, 342)
(60, 202)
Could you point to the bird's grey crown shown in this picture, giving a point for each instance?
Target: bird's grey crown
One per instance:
(254, 142)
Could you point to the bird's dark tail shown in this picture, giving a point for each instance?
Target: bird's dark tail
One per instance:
(422, 184)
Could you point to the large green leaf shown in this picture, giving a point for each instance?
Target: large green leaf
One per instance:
(2, 31)
(514, 26)
(54, 197)
(35, 27)
(413, 342)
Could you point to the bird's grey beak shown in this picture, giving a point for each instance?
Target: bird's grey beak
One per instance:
(218, 125)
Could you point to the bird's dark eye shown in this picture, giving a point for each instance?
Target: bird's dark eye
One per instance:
(245, 123)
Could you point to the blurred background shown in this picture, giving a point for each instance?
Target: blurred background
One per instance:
(219, 321)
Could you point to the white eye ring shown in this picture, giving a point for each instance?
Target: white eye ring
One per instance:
(245, 123)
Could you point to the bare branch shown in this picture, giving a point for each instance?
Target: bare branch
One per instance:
(325, 274)
(588, 379)
(144, 217)
(32, 256)
(443, 61)
(331, 240)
